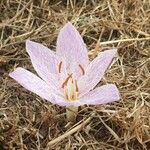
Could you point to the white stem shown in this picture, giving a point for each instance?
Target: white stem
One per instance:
(71, 113)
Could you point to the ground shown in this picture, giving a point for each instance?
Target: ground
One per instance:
(30, 122)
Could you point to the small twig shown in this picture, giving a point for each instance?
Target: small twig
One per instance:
(118, 41)
(22, 35)
(124, 40)
(75, 129)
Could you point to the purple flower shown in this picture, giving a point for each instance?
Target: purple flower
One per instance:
(66, 77)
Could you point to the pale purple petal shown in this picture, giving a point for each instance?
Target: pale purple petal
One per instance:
(75, 70)
(71, 46)
(33, 83)
(101, 95)
(36, 85)
(44, 61)
(96, 70)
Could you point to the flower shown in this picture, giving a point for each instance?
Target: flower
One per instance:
(66, 77)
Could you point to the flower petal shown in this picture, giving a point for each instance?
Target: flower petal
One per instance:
(36, 85)
(33, 83)
(102, 95)
(75, 70)
(44, 61)
(71, 46)
(96, 70)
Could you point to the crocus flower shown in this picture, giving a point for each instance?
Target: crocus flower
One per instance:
(66, 77)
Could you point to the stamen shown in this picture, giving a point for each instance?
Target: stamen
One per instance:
(66, 95)
(77, 89)
(66, 81)
(59, 67)
(82, 69)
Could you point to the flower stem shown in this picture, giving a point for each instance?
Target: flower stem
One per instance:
(71, 113)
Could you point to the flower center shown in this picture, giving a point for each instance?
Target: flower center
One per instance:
(70, 87)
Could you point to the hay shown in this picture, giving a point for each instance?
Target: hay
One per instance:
(28, 122)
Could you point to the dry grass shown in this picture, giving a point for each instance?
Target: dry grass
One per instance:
(28, 122)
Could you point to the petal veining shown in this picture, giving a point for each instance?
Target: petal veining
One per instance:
(71, 46)
(96, 70)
